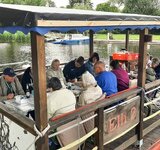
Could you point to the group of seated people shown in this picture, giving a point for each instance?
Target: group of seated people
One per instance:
(92, 75)
(152, 69)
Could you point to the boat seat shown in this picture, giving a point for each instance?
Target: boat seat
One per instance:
(89, 125)
(72, 134)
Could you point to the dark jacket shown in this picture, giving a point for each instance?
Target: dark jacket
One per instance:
(27, 80)
(157, 70)
(71, 72)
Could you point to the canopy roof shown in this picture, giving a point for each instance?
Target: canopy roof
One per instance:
(43, 19)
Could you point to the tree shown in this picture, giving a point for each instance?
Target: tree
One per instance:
(148, 7)
(107, 7)
(80, 4)
(25, 2)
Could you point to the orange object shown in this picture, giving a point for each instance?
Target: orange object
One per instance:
(125, 56)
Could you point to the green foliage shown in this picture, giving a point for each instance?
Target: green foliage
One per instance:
(17, 37)
(25, 2)
(108, 7)
(148, 7)
(80, 4)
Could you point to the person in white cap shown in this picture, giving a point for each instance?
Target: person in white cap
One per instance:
(91, 92)
(9, 85)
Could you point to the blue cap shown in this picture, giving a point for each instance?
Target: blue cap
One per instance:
(9, 71)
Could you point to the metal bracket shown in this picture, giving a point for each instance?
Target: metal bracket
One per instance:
(139, 144)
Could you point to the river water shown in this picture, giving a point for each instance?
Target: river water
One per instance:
(20, 52)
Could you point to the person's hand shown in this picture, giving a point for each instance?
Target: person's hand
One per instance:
(10, 96)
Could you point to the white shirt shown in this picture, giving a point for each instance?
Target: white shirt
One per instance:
(60, 102)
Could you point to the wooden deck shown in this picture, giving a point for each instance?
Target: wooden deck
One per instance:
(128, 139)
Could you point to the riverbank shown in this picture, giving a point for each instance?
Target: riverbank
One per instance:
(105, 41)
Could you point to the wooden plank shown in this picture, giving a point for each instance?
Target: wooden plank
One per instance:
(99, 134)
(21, 120)
(151, 127)
(57, 121)
(152, 84)
(121, 119)
(71, 23)
(39, 80)
(127, 143)
(91, 42)
(127, 40)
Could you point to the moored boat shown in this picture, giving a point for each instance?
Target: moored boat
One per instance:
(70, 39)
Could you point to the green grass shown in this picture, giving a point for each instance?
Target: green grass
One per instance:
(122, 37)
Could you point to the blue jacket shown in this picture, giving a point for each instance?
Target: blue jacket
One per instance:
(108, 82)
(89, 67)
(71, 72)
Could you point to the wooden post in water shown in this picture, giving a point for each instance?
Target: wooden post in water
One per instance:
(91, 33)
(127, 40)
(39, 79)
(141, 81)
(99, 123)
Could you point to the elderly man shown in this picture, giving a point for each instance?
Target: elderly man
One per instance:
(9, 85)
(106, 80)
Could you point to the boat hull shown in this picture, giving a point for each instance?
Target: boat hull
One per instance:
(72, 42)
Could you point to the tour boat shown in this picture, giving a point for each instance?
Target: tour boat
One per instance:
(70, 39)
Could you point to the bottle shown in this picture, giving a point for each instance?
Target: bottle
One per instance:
(27, 91)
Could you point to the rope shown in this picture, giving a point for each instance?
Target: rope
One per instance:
(151, 116)
(152, 90)
(39, 134)
(69, 146)
(152, 102)
(56, 133)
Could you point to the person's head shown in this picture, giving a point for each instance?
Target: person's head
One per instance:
(155, 62)
(9, 75)
(88, 79)
(55, 84)
(55, 64)
(99, 67)
(94, 58)
(114, 64)
(79, 62)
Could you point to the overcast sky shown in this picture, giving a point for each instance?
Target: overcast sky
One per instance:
(60, 3)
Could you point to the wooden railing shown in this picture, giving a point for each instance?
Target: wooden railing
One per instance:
(98, 107)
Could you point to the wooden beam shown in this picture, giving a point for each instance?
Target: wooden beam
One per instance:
(152, 84)
(21, 120)
(142, 59)
(39, 80)
(91, 42)
(99, 122)
(72, 23)
(127, 40)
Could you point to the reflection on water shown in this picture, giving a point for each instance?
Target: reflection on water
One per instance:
(17, 52)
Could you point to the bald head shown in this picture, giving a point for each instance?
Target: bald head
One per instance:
(99, 67)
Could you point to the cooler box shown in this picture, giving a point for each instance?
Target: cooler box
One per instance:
(125, 56)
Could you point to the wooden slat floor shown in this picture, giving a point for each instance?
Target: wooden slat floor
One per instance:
(149, 138)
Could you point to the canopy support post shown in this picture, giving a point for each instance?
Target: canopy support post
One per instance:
(39, 79)
(141, 81)
(127, 40)
(90, 42)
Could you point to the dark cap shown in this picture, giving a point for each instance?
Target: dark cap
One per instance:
(9, 71)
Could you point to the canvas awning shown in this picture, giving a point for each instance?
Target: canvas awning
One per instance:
(44, 19)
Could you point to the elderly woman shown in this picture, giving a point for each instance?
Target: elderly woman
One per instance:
(91, 92)
(60, 100)
(55, 71)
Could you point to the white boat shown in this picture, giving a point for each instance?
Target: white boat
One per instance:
(70, 39)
